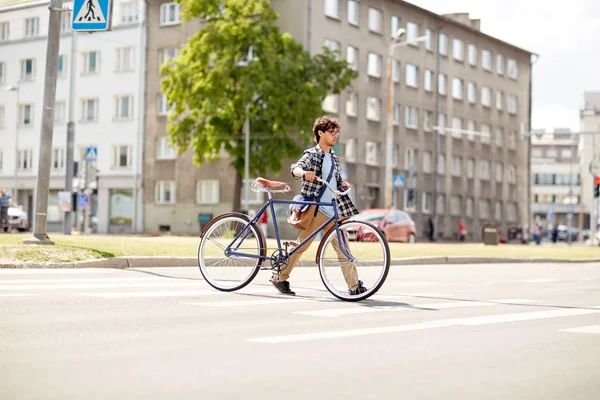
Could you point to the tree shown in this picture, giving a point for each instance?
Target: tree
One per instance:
(240, 65)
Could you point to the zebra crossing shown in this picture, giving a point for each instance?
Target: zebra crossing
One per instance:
(312, 301)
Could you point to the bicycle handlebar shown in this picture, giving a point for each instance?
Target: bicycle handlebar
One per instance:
(337, 192)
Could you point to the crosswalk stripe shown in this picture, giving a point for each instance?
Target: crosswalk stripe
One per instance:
(101, 285)
(469, 321)
(544, 280)
(584, 329)
(122, 295)
(338, 312)
(79, 280)
(260, 302)
(33, 271)
(17, 294)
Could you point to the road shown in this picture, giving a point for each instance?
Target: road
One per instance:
(506, 331)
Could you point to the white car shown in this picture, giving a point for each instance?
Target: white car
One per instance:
(18, 219)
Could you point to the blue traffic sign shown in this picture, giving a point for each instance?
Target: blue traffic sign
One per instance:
(91, 154)
(83, 200)
(92, 15)
(398, 182)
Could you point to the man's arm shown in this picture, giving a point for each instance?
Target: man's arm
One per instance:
(300, 173)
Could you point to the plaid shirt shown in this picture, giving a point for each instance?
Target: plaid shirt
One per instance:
(312, 160)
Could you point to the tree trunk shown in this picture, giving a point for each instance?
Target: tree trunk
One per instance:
(237, 193)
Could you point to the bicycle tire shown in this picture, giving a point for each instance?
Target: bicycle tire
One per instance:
(263, 249)
(386, 266)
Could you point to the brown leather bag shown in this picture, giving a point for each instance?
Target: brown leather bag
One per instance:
(302, 219)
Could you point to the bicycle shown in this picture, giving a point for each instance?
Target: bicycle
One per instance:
(231, 233)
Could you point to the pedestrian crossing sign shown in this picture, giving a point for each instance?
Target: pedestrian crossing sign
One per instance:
(92, 15)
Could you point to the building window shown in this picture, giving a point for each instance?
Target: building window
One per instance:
(396, 114)
(121, 156)
(456, 166)
(500, 64)
(442, 84)
(59, 112)
(426, 202)
(2, 73)
(32, 27)
(331, 103)
(374, 65)
(486, 96)
(457, 88)
(457, 127)
(469, 208)
(207, 191)
(27, 69)
(499, 137)
(512, 104)
(334, 46)
(170, 14)
(164, 192)
(121, 206)
(486, 60)
(332, 8)
(396, 71)
(484, 209)
(129, 12)
(498, 211)
(375, 20)
(164, 151)
(350, 150)
(428, 84)
(89, 110)
(123, 107)
(410, 200)
(470, 168)
(472, 128)
(499, 172)
(58, 158)
(427, 120)
(352, 105)
(371, 156)
(512, 69)
(65, 22)
(512, 175)
(26, 114)
(458, 50)
(162, 106)
(472, 55)
(4, 31)
(167, 54)
(412, 33)
(441, 204)
(353, 12)
(352, 57)
(373, 109)
(512, 140)
(472, 92)
(441, 164)
(486, 134)
(61, 70)
(427, 162)
(411, 117)
(443, 44)
(441, 123)
(409, 159)
(499, 100)
(455, 205)
(429, 39)
(484, 170)
(394, 25)
(511, 211)
(124, 59)
(25, 160)
(91, 62)
(412, 73)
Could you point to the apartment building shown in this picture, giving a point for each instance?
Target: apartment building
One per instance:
(589, 141)
(557, 171)
(482, 86)
(108, 78)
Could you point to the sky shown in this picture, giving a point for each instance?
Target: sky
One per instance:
(565, 35)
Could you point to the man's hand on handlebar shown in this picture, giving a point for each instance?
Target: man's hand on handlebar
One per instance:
(309, 176)
(346, 185)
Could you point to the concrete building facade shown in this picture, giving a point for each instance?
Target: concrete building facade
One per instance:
(588, 147)
(482, 86)
(109, 82)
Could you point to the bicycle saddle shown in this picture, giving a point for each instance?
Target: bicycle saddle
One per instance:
(271, 184)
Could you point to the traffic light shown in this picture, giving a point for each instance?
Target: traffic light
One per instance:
(597, 187)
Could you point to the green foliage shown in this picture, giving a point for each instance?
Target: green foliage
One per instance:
(283, 86)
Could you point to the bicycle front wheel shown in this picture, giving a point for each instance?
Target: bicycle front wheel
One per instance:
(359, 254)
(230, 272)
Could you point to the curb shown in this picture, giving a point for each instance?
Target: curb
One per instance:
(148, 262)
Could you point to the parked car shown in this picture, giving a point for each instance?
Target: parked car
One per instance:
(18, 219)
(396, 225)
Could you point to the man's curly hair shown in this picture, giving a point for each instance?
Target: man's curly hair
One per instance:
(323, 124)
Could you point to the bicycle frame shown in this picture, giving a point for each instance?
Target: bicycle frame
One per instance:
(233, 252)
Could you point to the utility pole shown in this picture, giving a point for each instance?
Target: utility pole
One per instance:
(436, 132)
(43, 182)
(68, 221)
(389, 128)
(247, 161)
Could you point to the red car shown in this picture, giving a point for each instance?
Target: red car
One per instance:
(396, 225)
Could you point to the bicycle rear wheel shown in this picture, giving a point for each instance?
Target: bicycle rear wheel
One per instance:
(369, 260)
(229, 273)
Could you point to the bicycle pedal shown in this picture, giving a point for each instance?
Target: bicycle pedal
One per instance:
(293, 244)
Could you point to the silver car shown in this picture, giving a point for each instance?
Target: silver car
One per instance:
(18, 219)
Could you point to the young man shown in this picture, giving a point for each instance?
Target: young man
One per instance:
(316, 162)
(4, 205)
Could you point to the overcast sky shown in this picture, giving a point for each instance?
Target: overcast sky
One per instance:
(565, 34)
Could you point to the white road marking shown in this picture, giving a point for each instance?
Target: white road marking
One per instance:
(100, 285)
(584, 329)
(470, 321)
(30, 271)
(338, 312)
(17, 294)
(260, 302)
(546, 280)
(122, 295)
(74, 280)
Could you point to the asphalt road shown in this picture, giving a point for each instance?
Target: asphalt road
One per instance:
(506, 331)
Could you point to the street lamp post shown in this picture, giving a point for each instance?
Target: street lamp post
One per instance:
(389, 133)
(15, 187)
